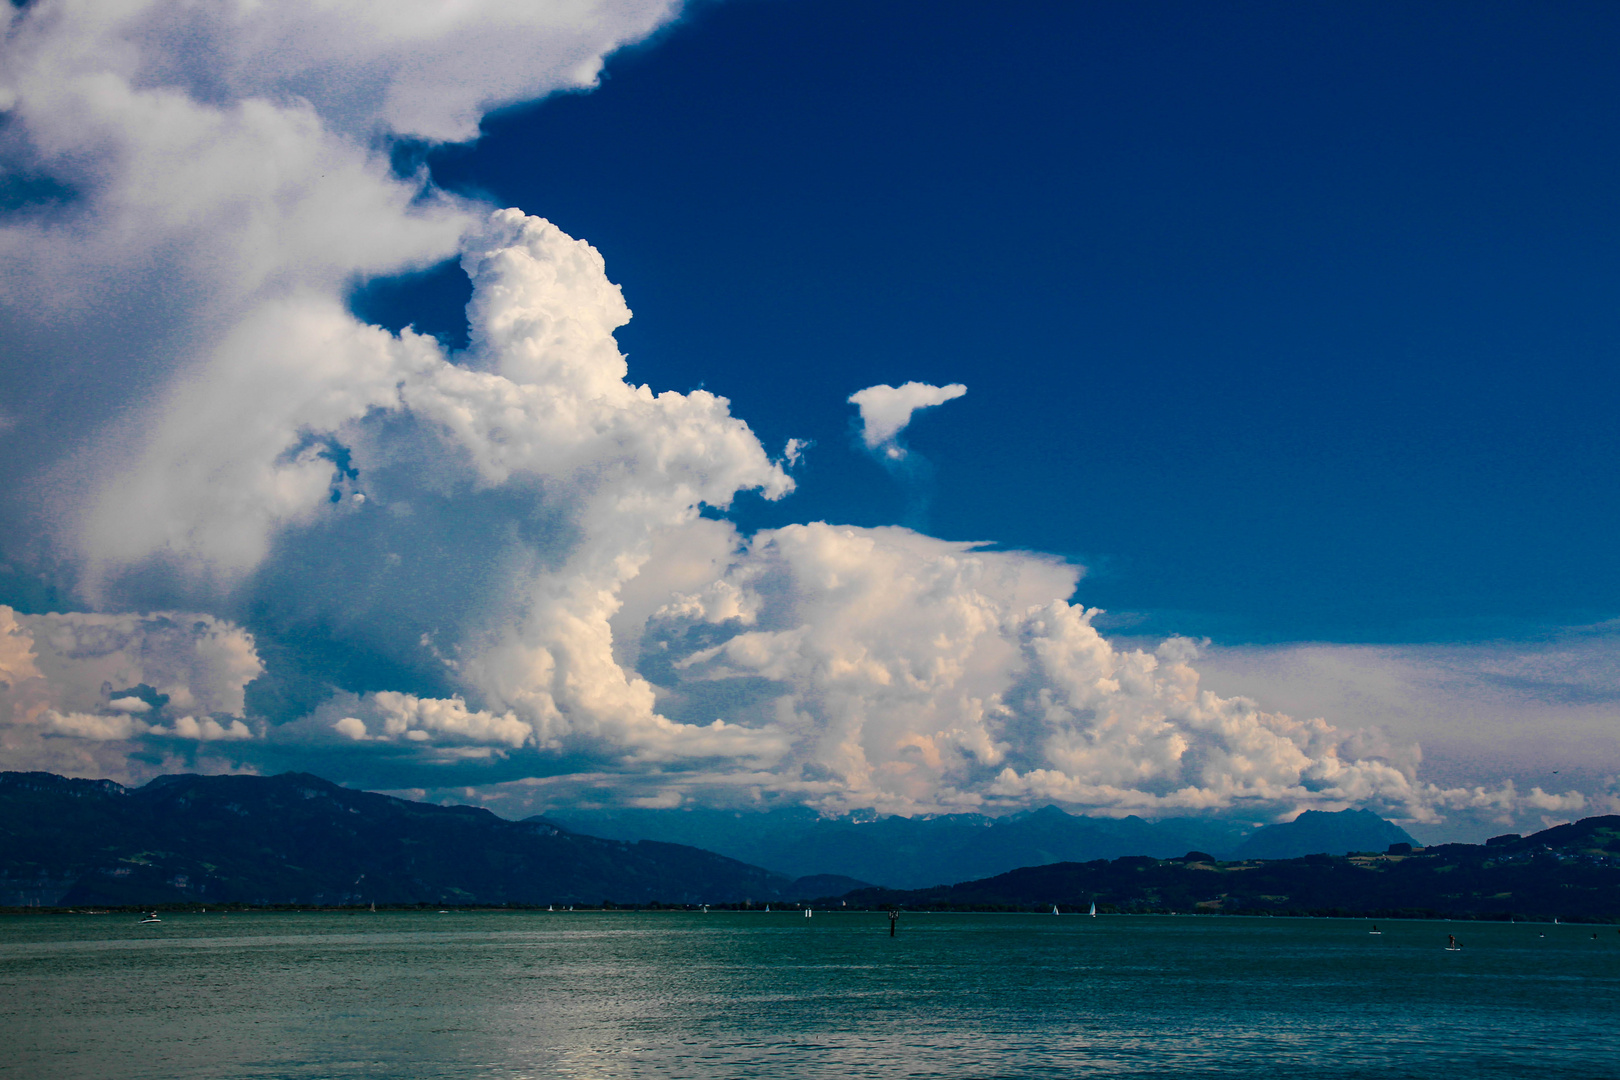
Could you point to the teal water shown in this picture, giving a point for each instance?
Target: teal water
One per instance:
(510, 995)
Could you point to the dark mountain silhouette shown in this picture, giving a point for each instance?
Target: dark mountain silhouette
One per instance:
(1316, 832)
(296, 838)
(1570, 872)
(906, 852)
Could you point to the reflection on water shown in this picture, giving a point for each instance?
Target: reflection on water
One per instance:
(510, 995)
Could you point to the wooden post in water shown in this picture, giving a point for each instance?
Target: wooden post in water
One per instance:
(894, 917)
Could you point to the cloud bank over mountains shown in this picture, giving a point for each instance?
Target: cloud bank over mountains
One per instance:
(521, 541)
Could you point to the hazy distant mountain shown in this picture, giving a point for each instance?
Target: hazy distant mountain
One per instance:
(1570, 872)
(907, 852)
(1317, 832)
(297, 838)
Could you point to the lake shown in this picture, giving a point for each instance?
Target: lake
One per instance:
(505, 995)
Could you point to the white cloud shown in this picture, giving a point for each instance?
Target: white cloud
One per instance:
(206, 729)
(200, 663)
(95, 727)
(351, 727)
(1539, 713)
(886, 410)
(64, 677)
(916, 674)
(228, 184)
(406, 715)
(231, 185)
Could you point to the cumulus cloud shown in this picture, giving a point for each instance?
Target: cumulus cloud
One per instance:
(209, 177)
(70, 681)
(886, 410)
(516, 530)
(914, 673)
(1545, 709)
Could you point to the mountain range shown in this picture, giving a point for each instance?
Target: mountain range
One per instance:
(1569, 871)
(917, 852)
(298, 839)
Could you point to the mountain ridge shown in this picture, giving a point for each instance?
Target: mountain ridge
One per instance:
(296, 838)
(927, 850)
(1569, 871)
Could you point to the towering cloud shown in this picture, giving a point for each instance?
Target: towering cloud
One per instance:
(187, 179)
(490, 565)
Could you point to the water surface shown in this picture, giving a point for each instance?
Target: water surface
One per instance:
(605, 995)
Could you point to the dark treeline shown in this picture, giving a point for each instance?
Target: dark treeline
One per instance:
(1570, 872)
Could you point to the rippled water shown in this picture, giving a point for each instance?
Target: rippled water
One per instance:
(508, 995)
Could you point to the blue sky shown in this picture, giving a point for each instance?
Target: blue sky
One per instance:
(1286, 332)
(1290, 322)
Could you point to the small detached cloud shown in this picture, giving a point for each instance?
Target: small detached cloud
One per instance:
(886, 410)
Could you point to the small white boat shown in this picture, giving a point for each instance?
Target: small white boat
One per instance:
(1094, 909)
(150, 918)
(1375, 930)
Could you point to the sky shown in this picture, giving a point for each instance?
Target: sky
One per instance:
(1153, 409)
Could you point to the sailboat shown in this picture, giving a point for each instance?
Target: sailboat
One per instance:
(1094, 909)
(807, 913)
(1054, 909)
